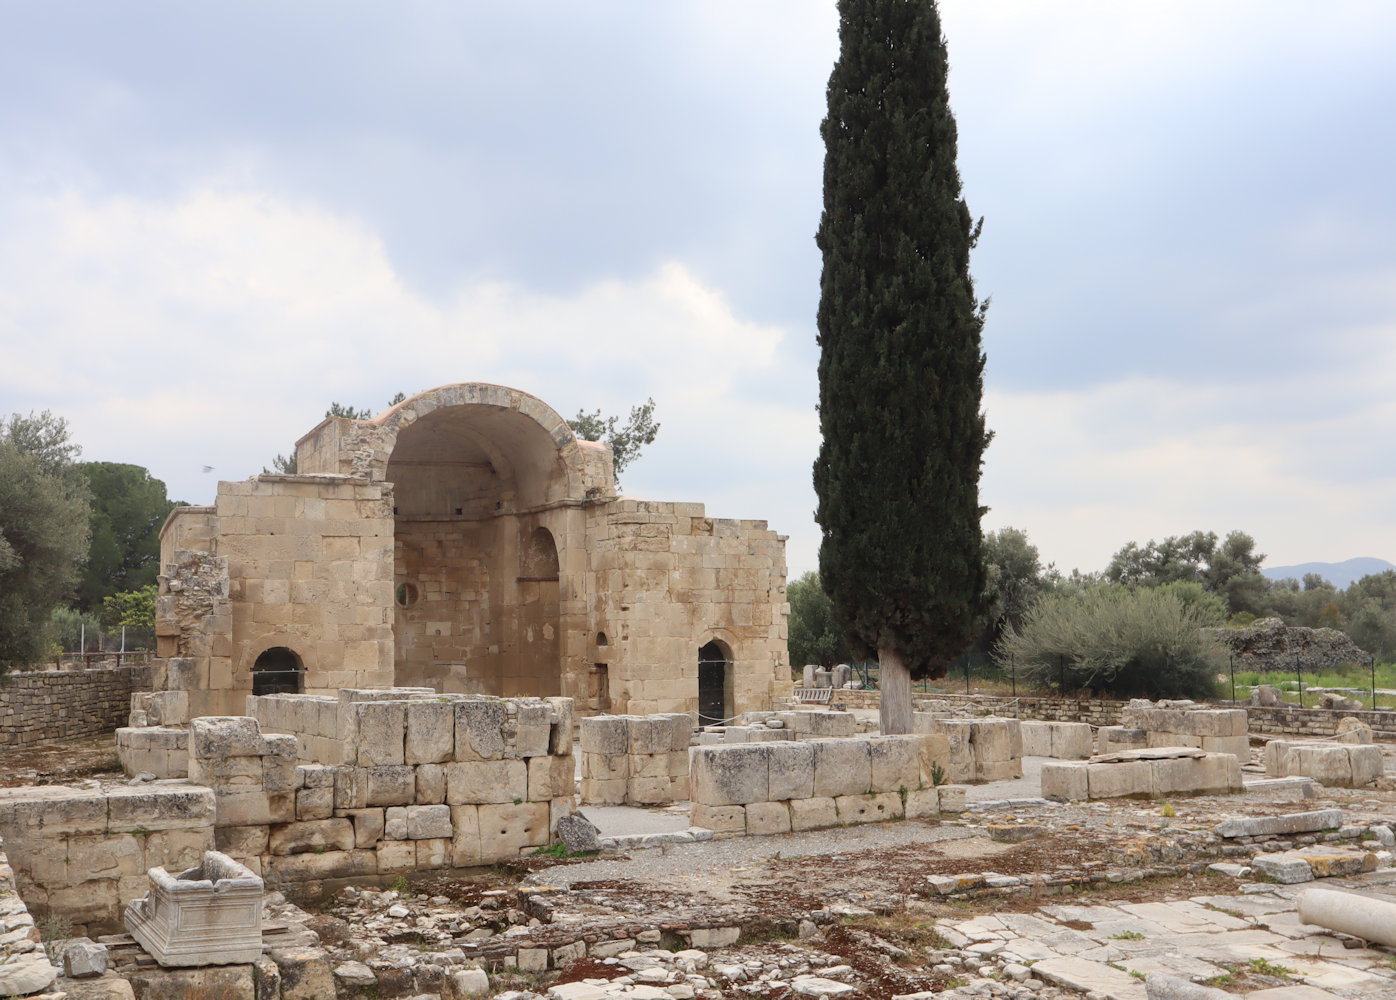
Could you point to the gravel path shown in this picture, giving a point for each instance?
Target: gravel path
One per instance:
(717, 863)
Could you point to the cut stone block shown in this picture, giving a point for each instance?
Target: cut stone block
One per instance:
(895, 763)
(841, 767)
(1305, 822)
(922, 802)
(507, 829)
(480, 729)
(492, 781)
(870, 808)
(1065, 782)
(813, 814)
(428, 822)
(1283, 867)
(765, 818)
(791, 770)
(719, 819)
(315, 835)
(431, 732)
(731, 775)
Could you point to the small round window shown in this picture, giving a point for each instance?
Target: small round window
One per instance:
(406, 595)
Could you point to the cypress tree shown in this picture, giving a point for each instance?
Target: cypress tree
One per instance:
(901, 369)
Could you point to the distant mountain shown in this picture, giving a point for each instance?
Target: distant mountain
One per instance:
(1339, 574)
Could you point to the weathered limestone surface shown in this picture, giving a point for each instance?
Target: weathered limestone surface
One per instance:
(159, 750)
(83, 853)
(1344, 765)
(1144, 773)
(1305, 822)
(24, 966)
(1180, 724)
(635, 760)
(763, 788)
(987, 749)
(207, 915)
(1066, 740)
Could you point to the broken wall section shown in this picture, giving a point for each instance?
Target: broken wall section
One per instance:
(417, 783)
(635, 759)
(82, 854)
(766, 788)
(669, 579)
(303, 563)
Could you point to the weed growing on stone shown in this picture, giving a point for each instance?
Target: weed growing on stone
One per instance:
(1127, 936)
(55, 929)
(1263, 968)
(1225, 979)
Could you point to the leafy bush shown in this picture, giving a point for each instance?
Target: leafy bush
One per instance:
(1116, 640)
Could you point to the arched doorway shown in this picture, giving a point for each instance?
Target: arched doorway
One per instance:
(714, 683)
(278, 671)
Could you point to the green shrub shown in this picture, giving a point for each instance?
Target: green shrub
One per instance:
(1118, 641)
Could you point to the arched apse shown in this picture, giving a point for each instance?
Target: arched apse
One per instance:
(474, 485)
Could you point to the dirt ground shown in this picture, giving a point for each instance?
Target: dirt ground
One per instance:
(56, 764)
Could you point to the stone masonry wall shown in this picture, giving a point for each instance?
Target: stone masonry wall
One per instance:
(779, 787)
(416, 783)
(669, 579)
(82, 854)
(47, 705)
(635, 759)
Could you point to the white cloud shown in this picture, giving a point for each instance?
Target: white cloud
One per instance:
(1085, 472)
(216, 328)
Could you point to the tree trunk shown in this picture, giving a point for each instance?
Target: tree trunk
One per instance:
(894, 705)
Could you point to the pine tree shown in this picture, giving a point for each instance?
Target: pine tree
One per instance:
(901, 368)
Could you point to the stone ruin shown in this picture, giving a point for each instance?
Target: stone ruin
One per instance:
(465, 540)
(1270, 644)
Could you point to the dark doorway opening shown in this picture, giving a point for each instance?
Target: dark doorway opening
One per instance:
(714, 684)
(278, 671)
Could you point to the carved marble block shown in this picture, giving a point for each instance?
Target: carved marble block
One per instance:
(209, 915)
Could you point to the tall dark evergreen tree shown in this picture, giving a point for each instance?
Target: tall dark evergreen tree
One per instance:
(901, 369)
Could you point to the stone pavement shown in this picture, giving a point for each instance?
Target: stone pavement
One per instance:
(1108, 949)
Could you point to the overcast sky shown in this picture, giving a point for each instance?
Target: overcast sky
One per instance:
(217, 218)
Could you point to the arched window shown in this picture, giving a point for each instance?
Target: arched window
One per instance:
(278, 671)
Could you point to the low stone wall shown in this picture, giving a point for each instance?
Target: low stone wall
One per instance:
(1143, 725)
(1144, 774)
(635, 759)
(1293, 720)
(38, 706)
(162, 751)
(439, 782)
(328, 726)
(1064, 740)
(987, 749)
(82, 854)
(1340, 765)
(765, 788)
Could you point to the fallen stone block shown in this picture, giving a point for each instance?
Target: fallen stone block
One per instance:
(1257, 826)
(1283, 868)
